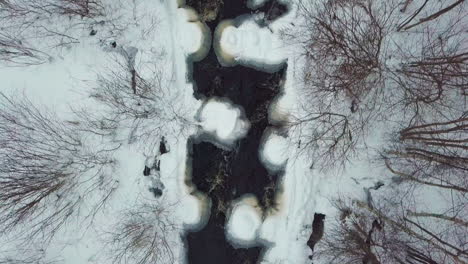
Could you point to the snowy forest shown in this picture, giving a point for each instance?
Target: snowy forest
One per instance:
(233, 131)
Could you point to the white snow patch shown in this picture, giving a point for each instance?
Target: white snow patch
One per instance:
(274, 150)
(224, 121)
(194, 210)
(190, 34)
(244, 222)
(248, 44)
(193, 35)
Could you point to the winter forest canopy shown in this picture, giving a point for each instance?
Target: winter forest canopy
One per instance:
(222, 131)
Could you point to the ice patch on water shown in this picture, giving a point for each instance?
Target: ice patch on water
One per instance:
(223, 120)
(274, 150)
(244, 222)
(246, 43)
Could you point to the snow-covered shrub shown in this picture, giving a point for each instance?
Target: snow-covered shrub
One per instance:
(144, 235)
(49, 169)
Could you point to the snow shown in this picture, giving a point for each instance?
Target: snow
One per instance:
(195, 210)
(244, 222)
(249, 44)
(192, 34)
(178, 39)
(223, 120)
(163, 35)
(274, 150)
(304, 190)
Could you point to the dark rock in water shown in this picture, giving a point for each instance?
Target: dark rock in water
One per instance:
(156, 192)
(318, 227)
(146, 171)
(163, 147)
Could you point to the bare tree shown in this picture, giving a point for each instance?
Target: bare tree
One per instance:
(431, 17)
(49, 169)
(31, 260)
(30, 28)
(355, 238)
(434, 154)
(432, 76)
(26, 256)
(327, 137)
(351, 81)
(145, 107)
(383, 233)
(358, 68)
(14, 51)
(22, 8)
(343, 75)
(394, 227)
(345, 45)
(427, 156)
(144, 235)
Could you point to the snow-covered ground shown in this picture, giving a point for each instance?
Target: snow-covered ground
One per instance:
(166, 34)
(169, 35)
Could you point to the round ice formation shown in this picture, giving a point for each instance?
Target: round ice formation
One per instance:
(191, 210)
(194, 210)
(244, 223)
(249, 45)
(274, 151)
(193, 35)
(224, 121)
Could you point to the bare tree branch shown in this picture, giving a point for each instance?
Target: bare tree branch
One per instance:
(48, 170)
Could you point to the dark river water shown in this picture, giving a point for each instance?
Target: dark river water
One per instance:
(225, 175)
